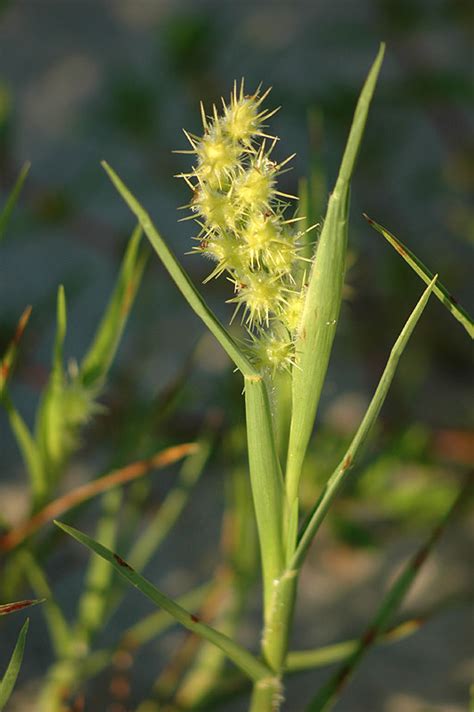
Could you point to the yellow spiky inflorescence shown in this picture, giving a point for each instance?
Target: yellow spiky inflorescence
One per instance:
(241, 214)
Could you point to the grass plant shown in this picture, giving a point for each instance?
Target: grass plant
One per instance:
(287, 290)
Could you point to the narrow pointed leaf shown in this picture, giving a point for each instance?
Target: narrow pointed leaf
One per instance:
(7, 363)
(451, 304)
(97, 361)
(254, 668)
(329, 694)
(9, 679)
(323, 299)
(154, 624)
(340, 473)
(57, 625)
(9, 206)
(94, 599)
(181, 278)
(172, 505)
(147, 628)
(313, 189)
(28, 448)
(61, 326)
(26, 443)
(50, 419)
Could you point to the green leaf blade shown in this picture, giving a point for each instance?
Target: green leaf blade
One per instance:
(324, 296)
(8, 361)
(51, 414)
(250, 665)
(360, 119)
(182, 279)
(445, 297)
(57, 625)
(172, 505)
(25, 441)
(97, 361)
(298, 660)
(340, 473)
(28, 448)
(12, 199)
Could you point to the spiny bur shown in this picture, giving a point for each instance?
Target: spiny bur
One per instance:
(243, 229)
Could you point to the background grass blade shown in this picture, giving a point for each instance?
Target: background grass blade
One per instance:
(173, 504)
(28, 448)
(323, 299)
(244, 660)
(312, 192)
(8, 681)
(298, 660)
(58, 628)
(9, 206)
(8, 360)
(92, 607)
(329, 694)
(451, 304)
(51, 415)
(146, 629)
(68, 670)
(181, 278)
(25, 440)
(337, 478)
(96, 363)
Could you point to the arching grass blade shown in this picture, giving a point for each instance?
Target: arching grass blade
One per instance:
(244, 660)
(11, 201)
(337, 478)
(445, 297)
(181, 278)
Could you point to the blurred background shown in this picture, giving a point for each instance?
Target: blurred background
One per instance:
(85, 80)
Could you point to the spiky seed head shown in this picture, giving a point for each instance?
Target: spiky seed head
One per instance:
(273, 352)
(291, 316)
(213, 206)
(261, 295)
(218, 158)
(240, 120)
(243, 228)
(227, 252)
(243, 120)
(281, 254)
(254, 187)
(259, 231)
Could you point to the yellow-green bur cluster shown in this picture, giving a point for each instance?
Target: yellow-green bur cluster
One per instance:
(243, 229)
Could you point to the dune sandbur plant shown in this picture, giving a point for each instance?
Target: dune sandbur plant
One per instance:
(287, 296)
